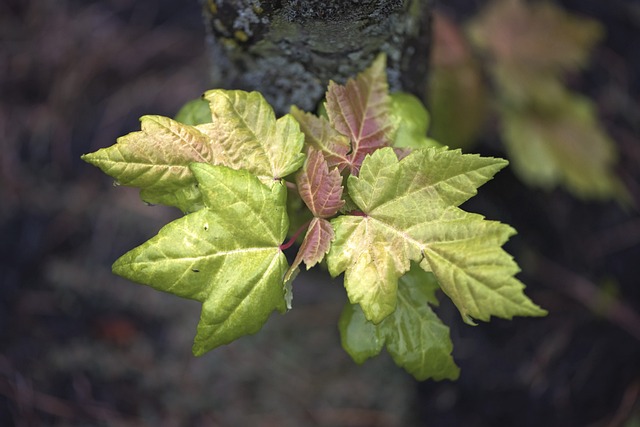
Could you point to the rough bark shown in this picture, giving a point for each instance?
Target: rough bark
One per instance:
(290, 49)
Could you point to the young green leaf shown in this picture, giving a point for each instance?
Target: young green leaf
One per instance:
(227, 255)
(409, 213)
(320, 135)
(412, 121)
(194, 112)
(414, 336)
(156, 160)
(245, 128)
(360, 110)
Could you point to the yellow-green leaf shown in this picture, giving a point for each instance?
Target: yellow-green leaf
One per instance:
(156, 160)
(227, 255)
(194, 112)
(411, 120)
(414, 336)
(249, 137)
(409, 213)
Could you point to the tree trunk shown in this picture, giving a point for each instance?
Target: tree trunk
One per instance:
(290, 49)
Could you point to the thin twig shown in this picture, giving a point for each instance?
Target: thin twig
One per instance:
(587, 293)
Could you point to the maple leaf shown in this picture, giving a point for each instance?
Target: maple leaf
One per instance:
(315, 245)
(320, 135)
(243, 134)
(321, 190)
(248, 136)
(156, 160)
(226, 255)
(415, 337)
(409, 213)
(361, 111)
(319, 187)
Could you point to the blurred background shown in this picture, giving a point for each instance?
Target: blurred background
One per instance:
(82, 347)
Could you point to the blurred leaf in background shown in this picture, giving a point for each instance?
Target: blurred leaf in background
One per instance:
(457, 94)
(538, 37)
(564, 145)
(551, 134)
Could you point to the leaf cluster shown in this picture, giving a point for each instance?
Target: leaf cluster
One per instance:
(382, 204)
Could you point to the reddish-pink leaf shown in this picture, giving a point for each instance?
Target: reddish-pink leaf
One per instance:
(361, 110)
(316, 243)
(319, 187)
(319, 133)
(401, 152)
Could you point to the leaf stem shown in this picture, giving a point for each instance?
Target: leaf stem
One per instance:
(291, 186)
(293, 238)
(357, 213)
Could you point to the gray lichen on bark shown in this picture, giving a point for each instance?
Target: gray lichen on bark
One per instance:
(290, 49)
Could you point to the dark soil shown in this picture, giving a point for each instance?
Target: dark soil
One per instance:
(79, 346)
